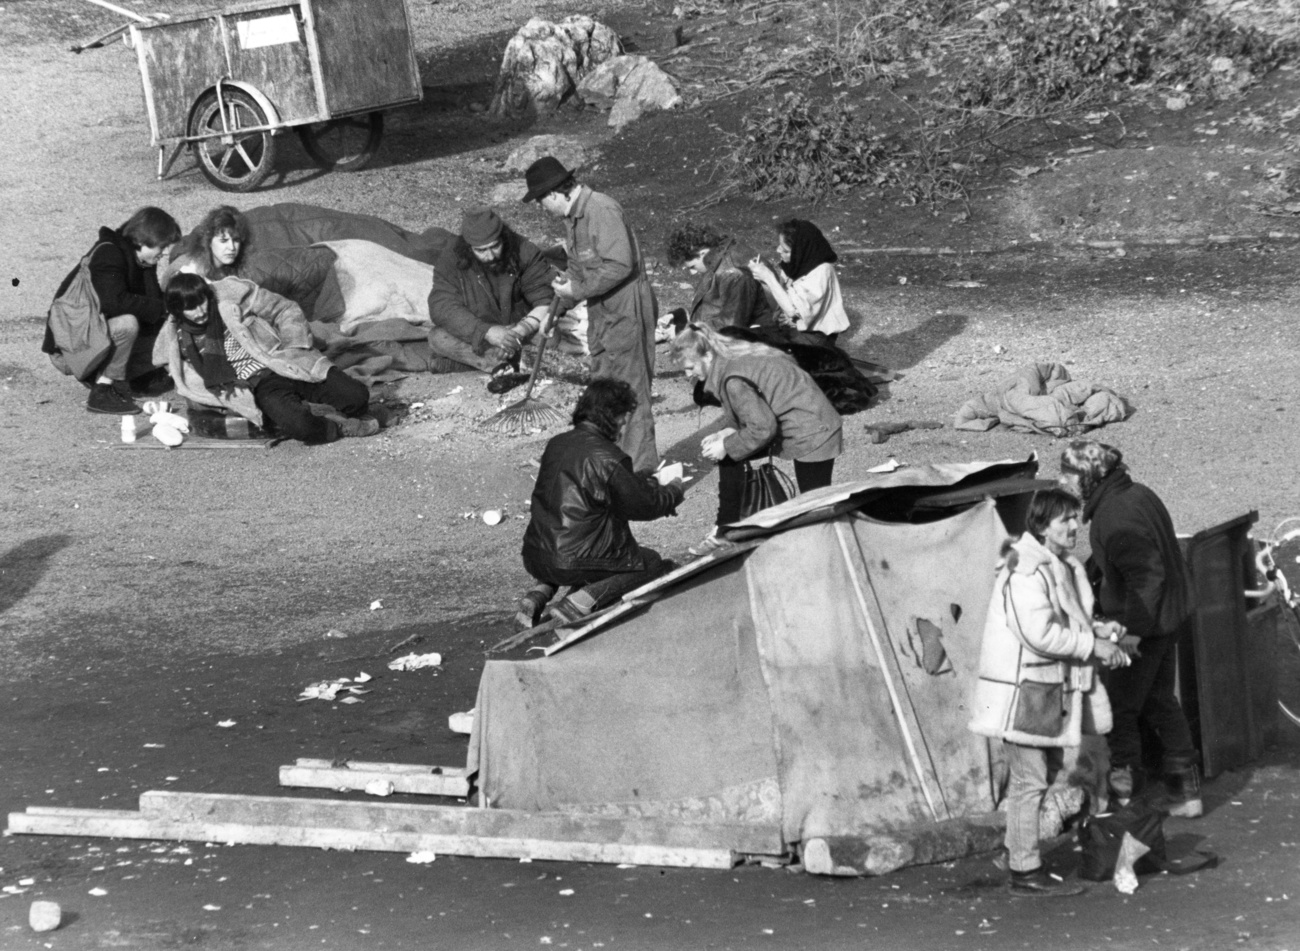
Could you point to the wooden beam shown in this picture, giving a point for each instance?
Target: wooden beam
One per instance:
(403, 777)
(113, 825)
(379, 815)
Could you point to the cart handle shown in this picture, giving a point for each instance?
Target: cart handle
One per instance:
(139, 18)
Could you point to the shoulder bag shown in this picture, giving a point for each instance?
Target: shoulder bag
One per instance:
(78, 325)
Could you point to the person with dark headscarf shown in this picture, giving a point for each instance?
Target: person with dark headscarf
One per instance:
(807, 290)
(1142, 581)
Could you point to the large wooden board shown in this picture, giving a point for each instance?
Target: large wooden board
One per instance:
(366, 55)
(401, 777)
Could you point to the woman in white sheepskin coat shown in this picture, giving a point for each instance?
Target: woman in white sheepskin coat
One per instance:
(1040, 632)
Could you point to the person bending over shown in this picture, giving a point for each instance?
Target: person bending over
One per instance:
(585, 496)
(605, 268)
(807, 290)
(769, 405)
(238, 335)
(123, 272)
(491, 286)
(1141, 580)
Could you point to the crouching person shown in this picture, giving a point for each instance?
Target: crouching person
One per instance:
(1038, 690)
(238, 336)
(585, 496)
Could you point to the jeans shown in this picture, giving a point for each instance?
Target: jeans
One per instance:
(1143, 695)
(731, 483)
(131, 354)
(284, 401)
(605, 587)
(1029, 767)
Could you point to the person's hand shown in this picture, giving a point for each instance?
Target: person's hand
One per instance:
(1131, 645)
(711, 447)
(758, 267)
(563, 287)
(525, 329)
(503, 337)
(1110, 654)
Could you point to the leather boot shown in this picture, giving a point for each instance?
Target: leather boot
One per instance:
(1183, 779)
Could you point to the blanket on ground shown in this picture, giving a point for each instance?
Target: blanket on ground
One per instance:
(347, 271)
(1043, 399)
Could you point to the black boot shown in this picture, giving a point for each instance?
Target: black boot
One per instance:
(1183, 779)
(1038, 884)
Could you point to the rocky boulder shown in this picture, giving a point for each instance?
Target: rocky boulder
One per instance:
(544, 62)
(628, 86)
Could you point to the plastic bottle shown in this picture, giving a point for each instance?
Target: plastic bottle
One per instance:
(128, 429)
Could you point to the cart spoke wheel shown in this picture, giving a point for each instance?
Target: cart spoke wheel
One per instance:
(343, 145)
(238, 160)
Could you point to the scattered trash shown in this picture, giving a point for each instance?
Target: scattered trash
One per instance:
(226, 724)
(351, 699)
(335, 633)
(330, 689)
(889, 466)
(211, 907)
(415, 661)
(462, 722)
(378, 787)
(999, 349)
(376, 604)
(422, 858)
(45, 915)
(1130, 850)
(98, 892)
(963, 283)
(492, 517)
(566, 891)
(155, 746)
(169, 437)
(902, 280)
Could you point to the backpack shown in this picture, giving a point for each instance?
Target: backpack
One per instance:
(78, 325)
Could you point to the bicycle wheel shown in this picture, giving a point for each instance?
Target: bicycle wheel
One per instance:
(343, 145)
(237, 161)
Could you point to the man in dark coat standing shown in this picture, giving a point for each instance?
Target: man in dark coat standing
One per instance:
(1141, 581)
(605, 268)
(585, 495)
(491, 287)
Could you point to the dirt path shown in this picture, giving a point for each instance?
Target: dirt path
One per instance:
(147, 596)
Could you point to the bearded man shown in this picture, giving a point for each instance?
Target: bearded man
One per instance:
(491, 287)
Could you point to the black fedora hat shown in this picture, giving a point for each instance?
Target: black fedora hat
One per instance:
(543, 176)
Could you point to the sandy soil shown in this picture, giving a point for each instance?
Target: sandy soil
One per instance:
(148, 596)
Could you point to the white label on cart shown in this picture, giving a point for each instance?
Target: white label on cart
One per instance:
(268, 31)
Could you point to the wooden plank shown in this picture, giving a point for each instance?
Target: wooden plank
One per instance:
(111, 824)
(378, 815)
(367, 58)
(403, 777)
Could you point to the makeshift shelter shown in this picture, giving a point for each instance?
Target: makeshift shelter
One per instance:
(809, 688)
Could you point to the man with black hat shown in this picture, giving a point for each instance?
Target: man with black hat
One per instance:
(606, 270)
(491, 287)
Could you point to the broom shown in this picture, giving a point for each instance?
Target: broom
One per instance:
(529, 414)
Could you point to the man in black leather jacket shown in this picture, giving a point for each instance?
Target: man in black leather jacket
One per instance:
(585, 496)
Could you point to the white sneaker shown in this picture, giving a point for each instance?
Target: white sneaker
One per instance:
(709, 544)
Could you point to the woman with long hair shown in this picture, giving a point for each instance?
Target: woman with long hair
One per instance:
(1037, 690)
(770, 406)
(807, 290)
(215, 248)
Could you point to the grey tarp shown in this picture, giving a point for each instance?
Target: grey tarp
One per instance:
(756, 691)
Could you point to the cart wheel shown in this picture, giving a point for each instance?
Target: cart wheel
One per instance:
(343, 145)
(238, 162)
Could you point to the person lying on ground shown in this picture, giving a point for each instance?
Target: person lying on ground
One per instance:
(605, 268)
(726, 294)
(770, 407)
(123, 273)
(491, 286)
(585, 496)
(238, 336)
(807, 290)
(1041, 641)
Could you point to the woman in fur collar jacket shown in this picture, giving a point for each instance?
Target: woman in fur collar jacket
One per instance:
(1037, 689)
